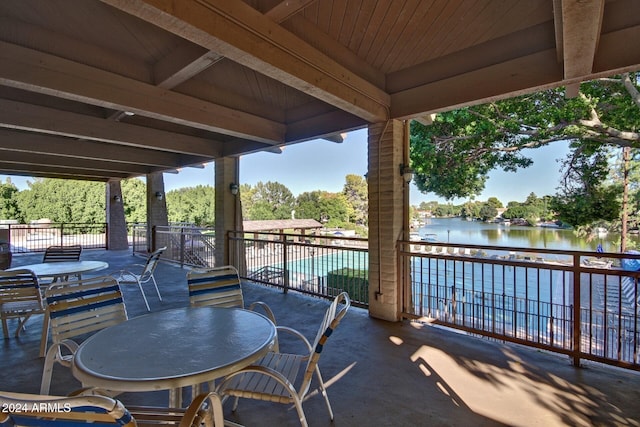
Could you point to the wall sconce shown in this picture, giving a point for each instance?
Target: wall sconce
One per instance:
(406, 172)
(233, 187)
(159, 195)
(117, 198)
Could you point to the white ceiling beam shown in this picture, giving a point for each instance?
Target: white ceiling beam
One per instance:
(39, 72)
(244, 35)
(182, 64)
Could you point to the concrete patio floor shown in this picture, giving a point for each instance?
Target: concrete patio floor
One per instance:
(379, 373)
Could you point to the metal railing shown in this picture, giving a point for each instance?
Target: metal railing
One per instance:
(186, 244)
(316, 265)
(529, 296)
(25, 238)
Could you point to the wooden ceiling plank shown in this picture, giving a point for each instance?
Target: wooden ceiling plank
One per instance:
(38, 160)
(286, 9)
(38, 72)
(581, 24)
(33, 118)
(244, 35)
(182, 64)
(51, 145)
(46, 171)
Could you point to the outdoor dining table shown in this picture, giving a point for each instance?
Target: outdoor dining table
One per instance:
(171, 349)
(63, 268)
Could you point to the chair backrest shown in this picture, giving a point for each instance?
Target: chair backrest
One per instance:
(77, 307)
(330, 322)
(19, 286)
(62, 253)
(219, 286)
(92, 409)
(19, 409)
(152, 263)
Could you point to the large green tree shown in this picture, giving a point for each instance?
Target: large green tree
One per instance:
(332, 209)
(8, 203)
(194, 205)
(270, 200)
(357, 194)
(453, 156)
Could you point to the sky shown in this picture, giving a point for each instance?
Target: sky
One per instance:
(323, 165)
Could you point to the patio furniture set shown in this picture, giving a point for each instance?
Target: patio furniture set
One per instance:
(224, 341)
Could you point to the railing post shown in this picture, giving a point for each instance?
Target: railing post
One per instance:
(577, 338)
(61, 234)
(182, 240)
(284, 262)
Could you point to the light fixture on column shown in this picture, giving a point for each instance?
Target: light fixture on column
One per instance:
(159, 195)
(406, 172)
(233, 187)
(117, 198)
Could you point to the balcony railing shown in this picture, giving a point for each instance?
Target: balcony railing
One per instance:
(576, 303)
(567, 302)
(317, 265)
(36, 237)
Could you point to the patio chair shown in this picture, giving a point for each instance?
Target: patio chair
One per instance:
(62, 254)
(286, 378)
(20, 298)
(221, 287)
(128, 277)
(77, 308)
(91, 409)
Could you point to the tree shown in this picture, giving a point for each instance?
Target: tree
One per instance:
(134, 194)
(357, 195)
(8, 204)
(194, 205)
(270, 200)
(453, 156)
(323, 205)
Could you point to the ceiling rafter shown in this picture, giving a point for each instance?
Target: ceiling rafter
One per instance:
(39, 72)
(244, 35)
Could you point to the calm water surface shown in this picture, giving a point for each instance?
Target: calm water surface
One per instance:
(456, 230)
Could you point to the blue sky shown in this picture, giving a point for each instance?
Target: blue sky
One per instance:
(323, 165)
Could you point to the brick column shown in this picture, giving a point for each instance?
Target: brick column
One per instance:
(116, 223)
(156, 205)
(386, 203)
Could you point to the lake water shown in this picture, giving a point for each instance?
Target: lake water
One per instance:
(456, 230)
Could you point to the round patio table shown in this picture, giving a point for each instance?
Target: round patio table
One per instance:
(62, 269)
(170, 349)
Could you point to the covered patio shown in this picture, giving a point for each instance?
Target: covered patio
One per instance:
(381, 373)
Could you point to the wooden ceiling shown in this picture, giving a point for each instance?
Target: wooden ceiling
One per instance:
(94, 89)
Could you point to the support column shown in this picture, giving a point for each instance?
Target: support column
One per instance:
(116, 222)
(156, 206)
(386, 217)
(228, 209)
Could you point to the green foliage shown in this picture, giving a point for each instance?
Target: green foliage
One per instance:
(8, 201)
(453, 156)
(354, 282)
(332, 209)
(357, 195)
(192, 205)
(268, 201)
(134, 193)
(62, 200)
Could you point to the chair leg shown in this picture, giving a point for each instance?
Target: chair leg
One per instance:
(143, 296)
(21, 324)
(156, 285)
(301, 416)
(45, 334)
(55, 355)
(323, 390)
